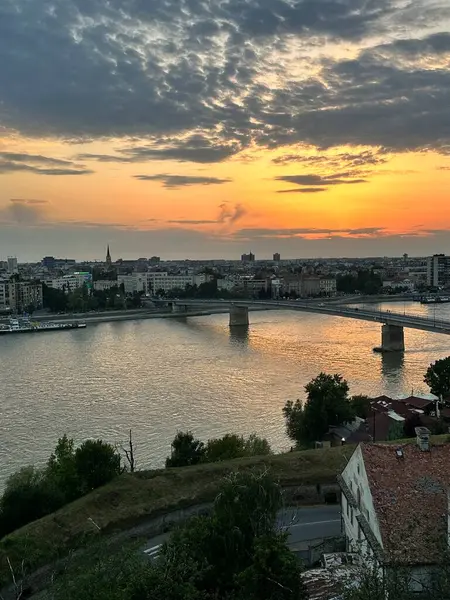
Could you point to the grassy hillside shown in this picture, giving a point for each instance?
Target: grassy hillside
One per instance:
(133, 499)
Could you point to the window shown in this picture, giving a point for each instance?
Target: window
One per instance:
(359, 469)
(351, 515)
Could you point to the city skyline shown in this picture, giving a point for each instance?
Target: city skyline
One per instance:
(206, 130)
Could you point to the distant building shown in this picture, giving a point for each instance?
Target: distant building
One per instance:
(136, 282)
(250, 257)
(154, 260)
(108, 258)
(13, 267)
(166, 281)
(102, 285)
(277, 257)
(69, 283)
(25, 294)
(4, 293)
(438, 270)
(327, 285)
(49, 262)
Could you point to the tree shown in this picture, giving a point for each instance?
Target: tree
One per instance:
(361, 405)
(62, 471)
(410, 424)
(185, 450)
(327, 404)
(27, 496)
(294, 417)
(236, 553)
(437, 378)
(96, 463)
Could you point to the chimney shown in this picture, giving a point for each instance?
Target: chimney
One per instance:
(423, 438)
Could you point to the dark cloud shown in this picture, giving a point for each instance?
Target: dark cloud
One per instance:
(176, 181)
(21, 157)
(11, 162)
(305, 232)
(202, 81)
(196, 148)
(319, 180)
(306, 190)
(24, 212)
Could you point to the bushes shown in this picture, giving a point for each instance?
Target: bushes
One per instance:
(32, 493)
(186, 450)
(236, 553)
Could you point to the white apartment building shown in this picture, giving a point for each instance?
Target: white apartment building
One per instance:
(136, 282)
(69, 283)
(327, 285)
(101, 285)
(166, 282)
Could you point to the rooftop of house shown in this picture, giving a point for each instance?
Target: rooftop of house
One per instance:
(410, 498)
(417, 402)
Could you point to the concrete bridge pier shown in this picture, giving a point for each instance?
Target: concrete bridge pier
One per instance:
(178, 308)
(238, 316)
(392, 338)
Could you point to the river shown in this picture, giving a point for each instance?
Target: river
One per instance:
(158, 376)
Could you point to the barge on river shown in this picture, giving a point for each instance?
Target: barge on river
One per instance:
(27, 326)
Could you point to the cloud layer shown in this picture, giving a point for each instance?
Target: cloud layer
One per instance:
(201, 81)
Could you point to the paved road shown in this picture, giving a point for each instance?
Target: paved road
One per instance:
(303, 523)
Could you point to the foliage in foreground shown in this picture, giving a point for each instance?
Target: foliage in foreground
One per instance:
(327, 404)
(398, 583)
(186, 450)
(70, 473)
(437, 377)
(234, 554)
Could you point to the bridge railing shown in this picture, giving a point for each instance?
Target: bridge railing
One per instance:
(329, 309)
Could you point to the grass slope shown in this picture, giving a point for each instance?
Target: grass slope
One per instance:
(133, 499)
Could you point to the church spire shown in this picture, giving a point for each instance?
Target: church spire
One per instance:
(108, 257)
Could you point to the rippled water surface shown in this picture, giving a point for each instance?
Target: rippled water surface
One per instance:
(158, 376)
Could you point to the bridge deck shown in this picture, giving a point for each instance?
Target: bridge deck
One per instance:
(385, 317)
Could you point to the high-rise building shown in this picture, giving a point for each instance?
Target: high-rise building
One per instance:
(25, 296)
(276, 257)
(12, 265)
(438, 270)
(250, 257)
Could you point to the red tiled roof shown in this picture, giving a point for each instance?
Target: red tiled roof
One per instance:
(410, 500)
(417, 402)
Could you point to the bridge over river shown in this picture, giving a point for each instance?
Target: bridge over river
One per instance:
(392, 334)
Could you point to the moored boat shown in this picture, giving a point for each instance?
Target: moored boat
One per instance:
(27, 326)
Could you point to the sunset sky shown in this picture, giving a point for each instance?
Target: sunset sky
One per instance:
(206, 128)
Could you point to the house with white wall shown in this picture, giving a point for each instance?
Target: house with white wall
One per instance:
(395, 505)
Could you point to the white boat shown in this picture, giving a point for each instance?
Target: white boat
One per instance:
(27, 326)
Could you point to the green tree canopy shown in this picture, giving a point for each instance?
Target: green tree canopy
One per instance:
(235, 446)
(185, 450)
(236, 553)
(437, 377)
(327, 404)
(96, 463)
(361, 405)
